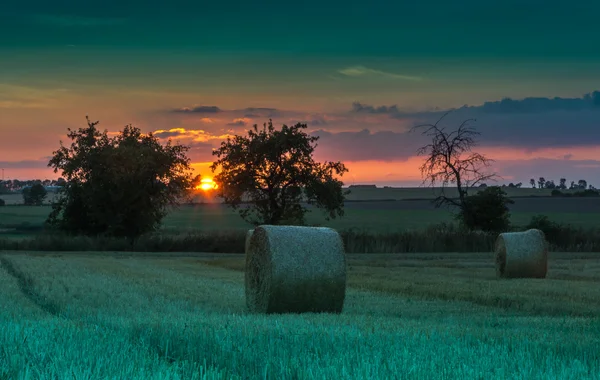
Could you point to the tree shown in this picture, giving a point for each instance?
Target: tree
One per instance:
(450, 160)
(117, 186)
(275, 171)
(532, 183)
(488, 210)
(34, 195)
(541, 182)
(562, 183)
(582, 183)
(550, 184)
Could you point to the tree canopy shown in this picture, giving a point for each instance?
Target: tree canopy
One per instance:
(34, 195)
(118, 186)
(275, 172)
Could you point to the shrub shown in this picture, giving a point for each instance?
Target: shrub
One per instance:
(549, 228)
(487, 210)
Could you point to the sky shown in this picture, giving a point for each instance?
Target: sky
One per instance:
(360, 74)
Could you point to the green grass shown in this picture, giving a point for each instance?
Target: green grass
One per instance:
(102, 315)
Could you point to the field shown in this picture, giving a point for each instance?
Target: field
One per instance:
(103, 315)
(169, 315)
(379, 216)
(356, 194)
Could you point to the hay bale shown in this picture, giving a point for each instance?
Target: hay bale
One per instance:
(522, 254)
(292, 269)
(247, 244)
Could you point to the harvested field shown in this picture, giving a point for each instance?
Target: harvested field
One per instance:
(144, 316)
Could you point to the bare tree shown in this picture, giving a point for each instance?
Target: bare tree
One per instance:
(450, 160)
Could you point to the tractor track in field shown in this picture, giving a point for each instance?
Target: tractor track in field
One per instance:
(25, 284)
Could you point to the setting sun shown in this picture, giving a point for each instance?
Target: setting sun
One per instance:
(207, 184)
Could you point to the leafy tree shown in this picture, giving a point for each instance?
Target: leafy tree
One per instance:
(118, 186)
(541, 182)
(4, 187)
(532, 183)
(450, 160)
(488, 210)
(562, 183)
(275, 171)
(550, 184)
(34, 195)
(582, 183)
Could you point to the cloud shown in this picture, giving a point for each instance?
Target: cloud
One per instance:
(25, 164)
(76, 21)
(261, 112)
(239, 122)
(537, 105)
(589, 101)
(170, 133)
(361, 71)
(198, 109)
(532, 124)
(359, 107)
(186, 136)
(366, 145)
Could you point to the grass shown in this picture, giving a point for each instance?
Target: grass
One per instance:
(101, 315)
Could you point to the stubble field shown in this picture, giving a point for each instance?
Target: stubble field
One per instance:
(91, 315)
(420, 316)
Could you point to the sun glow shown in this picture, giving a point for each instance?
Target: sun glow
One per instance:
(207, 184)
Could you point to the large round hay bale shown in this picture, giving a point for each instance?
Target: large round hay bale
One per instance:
(522, 254)
(292, 269)
(247, 244)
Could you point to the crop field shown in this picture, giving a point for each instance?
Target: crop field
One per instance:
(375, 216)
(411, 316)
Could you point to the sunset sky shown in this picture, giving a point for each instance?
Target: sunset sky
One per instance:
(360, 74)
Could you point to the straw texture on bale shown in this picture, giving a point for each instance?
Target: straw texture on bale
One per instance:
(291, 269)
(522, 254)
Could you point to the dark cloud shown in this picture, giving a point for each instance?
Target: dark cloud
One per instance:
(367, 145)
(530, 123)
(589, 101)
(167, 134)
(24, 164)
(557, 128)
(261, 112)
(537, 105)
(237, 123)
(364, 108)
(198, 109)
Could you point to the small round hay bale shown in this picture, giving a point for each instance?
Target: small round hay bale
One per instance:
(247, 244)
(291, 269)
(522, 254)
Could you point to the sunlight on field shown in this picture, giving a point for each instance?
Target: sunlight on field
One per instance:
(410, 316)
